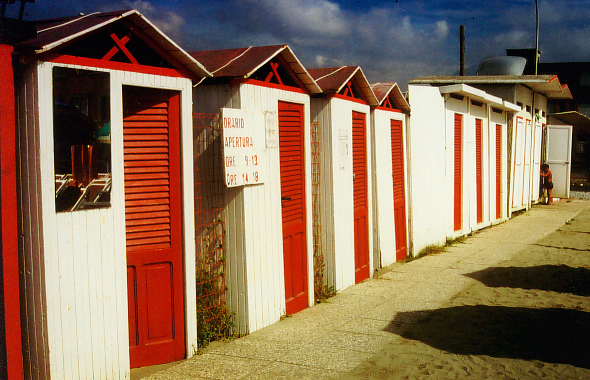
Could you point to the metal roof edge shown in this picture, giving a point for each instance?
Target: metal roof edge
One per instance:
(478, 95)
(192, 63)
(368, 91)
(81, 33)
(313, 86)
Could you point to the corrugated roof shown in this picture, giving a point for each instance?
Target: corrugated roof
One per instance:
(547, 85)
(479, 95)
(383, 90)
(52, 33)
(333, 79)
(572, 118)
(243, 62)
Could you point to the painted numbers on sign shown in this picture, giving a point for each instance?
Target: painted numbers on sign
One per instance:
(243, 148)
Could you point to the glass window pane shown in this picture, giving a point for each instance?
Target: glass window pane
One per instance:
(82, 139)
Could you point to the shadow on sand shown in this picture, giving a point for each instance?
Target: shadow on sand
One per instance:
(555, 278)
(549, 335)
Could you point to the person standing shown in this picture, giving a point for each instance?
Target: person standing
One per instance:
(547, 181)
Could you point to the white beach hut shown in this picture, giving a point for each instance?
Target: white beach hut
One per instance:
(104, 137)
(343, 116)
(390, 180)
(268, 220)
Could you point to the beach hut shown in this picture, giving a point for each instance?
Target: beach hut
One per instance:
(104, 136)
(390, 180)
(459, 161)
(343, 115)
(264, 91)
(526, 128)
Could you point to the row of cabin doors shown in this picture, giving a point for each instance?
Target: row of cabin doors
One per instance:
(151, 144)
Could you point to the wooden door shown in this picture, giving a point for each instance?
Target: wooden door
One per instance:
(498, 171)
(479, 170)
(359, 172)
(399, 189)
(458, 183)
(151, 145)
(291, 148)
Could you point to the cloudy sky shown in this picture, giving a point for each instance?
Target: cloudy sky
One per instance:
(394, 40)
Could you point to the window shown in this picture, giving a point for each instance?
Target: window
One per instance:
(81, 139)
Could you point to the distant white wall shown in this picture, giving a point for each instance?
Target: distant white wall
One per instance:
(428, 145)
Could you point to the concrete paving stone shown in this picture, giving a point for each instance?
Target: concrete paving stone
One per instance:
(368, 326)
(254, 349)
(375, 287)
(327, 358)
(210, 366)
(278, 370)
(567, 239)
(345, 340)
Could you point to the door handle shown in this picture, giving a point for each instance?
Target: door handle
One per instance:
(285, 198)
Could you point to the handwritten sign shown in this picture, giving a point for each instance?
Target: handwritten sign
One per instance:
(243, 146)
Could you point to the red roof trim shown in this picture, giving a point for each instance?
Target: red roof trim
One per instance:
(111, 65)
(388, 109)
(360, 101)
(255, 82)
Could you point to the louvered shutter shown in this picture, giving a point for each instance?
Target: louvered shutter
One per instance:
(478, 169)
(498, 170)
(458, 146)
(291, 152)
(399, 197)
(359, 169)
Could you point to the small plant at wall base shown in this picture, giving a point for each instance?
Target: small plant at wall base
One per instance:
(214, 321)
(433, 249)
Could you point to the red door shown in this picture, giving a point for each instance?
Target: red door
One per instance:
(151, 145)
(478, 170)
(458, 169)
(359, 171)
(498, 170)
(291, 148)
(399, 189)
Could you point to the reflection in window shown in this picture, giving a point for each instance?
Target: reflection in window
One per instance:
(82, 139)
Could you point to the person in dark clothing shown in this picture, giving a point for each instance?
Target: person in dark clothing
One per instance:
(547, 181)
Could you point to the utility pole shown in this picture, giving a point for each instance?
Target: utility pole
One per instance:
(462, 50)
(537, 37)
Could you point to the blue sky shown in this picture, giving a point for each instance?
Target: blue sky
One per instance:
(391, 40)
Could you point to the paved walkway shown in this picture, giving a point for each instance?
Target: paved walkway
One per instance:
(509, 302)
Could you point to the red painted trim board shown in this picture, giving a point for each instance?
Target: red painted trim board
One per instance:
(8, 219)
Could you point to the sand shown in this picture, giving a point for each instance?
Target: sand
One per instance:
(527, 317)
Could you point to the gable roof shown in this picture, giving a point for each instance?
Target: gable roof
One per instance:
(547, 85)
(52, 33)
(333, 79)
(383, 90)
(244, 62)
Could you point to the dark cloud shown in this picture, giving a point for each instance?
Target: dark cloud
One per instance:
(391, 40)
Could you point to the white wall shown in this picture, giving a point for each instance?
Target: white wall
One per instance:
(428, 144)
(75, 305)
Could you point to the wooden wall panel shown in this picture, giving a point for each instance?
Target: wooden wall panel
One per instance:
(83, 333)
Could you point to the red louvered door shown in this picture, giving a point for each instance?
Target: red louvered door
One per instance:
(458, 145)
(478, 170)
(291, 150)
(151, 145)
(399, 189)
(498, 170)
(359, 170)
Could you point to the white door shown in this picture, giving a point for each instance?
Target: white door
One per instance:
(559, 151)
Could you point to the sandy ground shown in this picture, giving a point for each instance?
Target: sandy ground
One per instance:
(526, 318)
